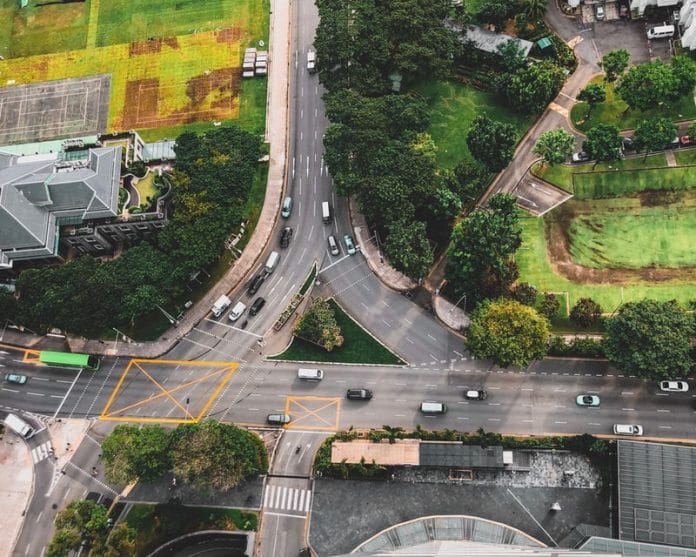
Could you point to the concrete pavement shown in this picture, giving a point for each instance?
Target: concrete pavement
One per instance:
(16, 486)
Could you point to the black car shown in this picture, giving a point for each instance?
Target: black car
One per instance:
(285, 237)
(358, 394)
(256, 284)
(256, 306)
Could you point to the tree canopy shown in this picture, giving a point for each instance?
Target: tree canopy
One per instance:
(652, 83)
(508, 332)
(615, 63)
(653, 135)
(531, 88)
(650, 339)
(133, 453)
(586, 312)
(555, 146)
(603, 143)
(593, 94)
(492, 143)
(318, 325)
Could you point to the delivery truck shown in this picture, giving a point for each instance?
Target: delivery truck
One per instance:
(220, 305)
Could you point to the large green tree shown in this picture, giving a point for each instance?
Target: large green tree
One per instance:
(653, 135)
(535, 10)
(650, 84)
(650, 339)
(615, 63)
(593, 94)
(318, 325)
(408, 249)
(531, 88)
(496, 12)
(492, 143)
(133, 453)
(508, 332)
(603, 143)
(82, 522)
(479, 259)
(585, 313)
(555, 146)
(213, 455)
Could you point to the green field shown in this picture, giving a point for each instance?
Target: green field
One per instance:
(597, 185)
(686, 156)
(650, 236)
(452, 107)
(615, 111)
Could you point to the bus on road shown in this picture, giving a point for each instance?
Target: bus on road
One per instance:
(68, 359)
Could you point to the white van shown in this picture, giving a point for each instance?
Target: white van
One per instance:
(19, 426)
(237, 311)
(311, 62)
(326, 216)
(628, 429)
(272, 262)
(310, 374)
(431, 407)
(661, 32)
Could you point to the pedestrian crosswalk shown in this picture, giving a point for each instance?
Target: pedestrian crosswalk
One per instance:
(41, 452)
(287, 498)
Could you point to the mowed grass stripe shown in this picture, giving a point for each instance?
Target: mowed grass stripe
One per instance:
(597, 185)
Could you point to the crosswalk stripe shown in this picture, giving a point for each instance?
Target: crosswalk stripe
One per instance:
(309, 495)
(302, 496)
(287, 498)
(41, 452)
(283, 499)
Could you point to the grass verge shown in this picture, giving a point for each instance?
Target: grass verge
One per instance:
(598, 185)
(158, 524)
(685, 156)
(309, 280)
(359, 347)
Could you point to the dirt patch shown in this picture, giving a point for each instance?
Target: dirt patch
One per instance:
(151, 46)
(212, 96)
(556, 226)
(229, 35)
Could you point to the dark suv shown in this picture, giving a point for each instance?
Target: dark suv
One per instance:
(285, 237)
(358, 394)
(256, 284)
(256, 306)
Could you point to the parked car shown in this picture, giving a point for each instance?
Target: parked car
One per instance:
(475, 394)
(278, 419)
(287, 208)
(685, 141)
(358, 394)
(674, 386)
(285, 237)
(587, 400)
(257, 305)
(599, 12)
(256, 284)
(674, 143)
(16, 378)
(333, 245)
(626, 429)
(350, 246)
(580, 156)
(627, 143)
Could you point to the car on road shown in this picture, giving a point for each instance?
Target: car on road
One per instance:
(333, 245)
(285, 237)
(350, 245)
(257, 305)
(475, 394)
(278, 419)
(674, 386)
(628, 429)
(599, 12)
(16, 378)
(358, 394)
(256, 284)
(287, 208)
(587, 400)
(580, 156)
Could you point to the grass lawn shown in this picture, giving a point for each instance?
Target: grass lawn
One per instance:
(157, 524)
(358, 347)
(685, 156)
(146, 188)
(597, 185)
(650, 236)
(561, 175)
(452, 107)
(535, 268)
(614, 111)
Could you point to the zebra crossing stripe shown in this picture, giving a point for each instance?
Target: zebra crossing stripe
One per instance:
(287, 498)
(41, 452)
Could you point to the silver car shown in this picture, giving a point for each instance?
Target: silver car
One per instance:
(333, 245)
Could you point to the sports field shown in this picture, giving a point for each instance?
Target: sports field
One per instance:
(173, 63)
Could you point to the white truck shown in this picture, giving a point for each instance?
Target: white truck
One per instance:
(19, 426)
(220, 305)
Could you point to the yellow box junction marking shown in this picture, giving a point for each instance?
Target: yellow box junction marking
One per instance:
(310, 412)
(221, 371)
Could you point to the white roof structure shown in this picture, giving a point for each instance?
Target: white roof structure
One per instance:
(687, 20)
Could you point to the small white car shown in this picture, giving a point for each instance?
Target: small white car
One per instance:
(626, 429)
(674, 386)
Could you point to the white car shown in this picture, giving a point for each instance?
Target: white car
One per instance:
(625, 429)
(674, 386)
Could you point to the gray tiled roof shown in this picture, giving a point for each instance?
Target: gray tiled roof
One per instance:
(34, 194)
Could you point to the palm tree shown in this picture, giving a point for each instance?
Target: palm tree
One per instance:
(535, 9)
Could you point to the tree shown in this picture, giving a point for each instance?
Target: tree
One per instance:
(593, 94)
(549, 306)
(647, 85)
(408, 249)
(479, 259)
(650, 339)
(684, 73)
(585, 313)
(121, 541)
(555, 146)
(512, 54)
(212, 455)
(509, 332)
(491, 142)
(9, 307)
(653, 135)
(603, 143)
(496, 12)
(318, 325)
(691, 132)
(525, 294)
(133, 453)
(82, 522)
(615, 63)
(531, 88)
(535, 10)
(472, 180)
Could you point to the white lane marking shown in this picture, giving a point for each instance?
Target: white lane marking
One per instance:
(628, 410)
(661, 410)
(431, 336)
(626, 393)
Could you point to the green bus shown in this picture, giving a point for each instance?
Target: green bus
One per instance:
(68, 359)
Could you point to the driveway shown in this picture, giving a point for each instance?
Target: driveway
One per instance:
(623, 33)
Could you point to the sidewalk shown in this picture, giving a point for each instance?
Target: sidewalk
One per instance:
(16, 486)
(277, 136)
